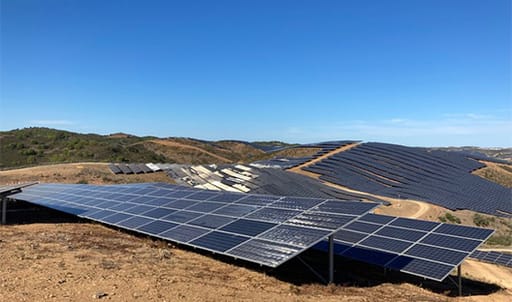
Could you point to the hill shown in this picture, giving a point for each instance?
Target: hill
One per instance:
(36, 146)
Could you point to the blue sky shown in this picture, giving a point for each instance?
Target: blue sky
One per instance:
(426, 73)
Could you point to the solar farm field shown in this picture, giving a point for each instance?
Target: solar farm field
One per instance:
(250, 246)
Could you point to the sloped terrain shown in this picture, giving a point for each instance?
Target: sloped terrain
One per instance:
(36, 146)
(82, 262)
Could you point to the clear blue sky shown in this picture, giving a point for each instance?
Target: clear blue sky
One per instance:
(427, 73)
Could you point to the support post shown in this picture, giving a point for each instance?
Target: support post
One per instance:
(4, 211)
(331, 259)
(459, 277)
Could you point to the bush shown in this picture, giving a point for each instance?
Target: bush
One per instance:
(482, 221)
(504, 240)
(450, 218)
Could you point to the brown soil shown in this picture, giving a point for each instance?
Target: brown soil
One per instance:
(498, 173)
(75, 262)
(179, 149)
(93, 173)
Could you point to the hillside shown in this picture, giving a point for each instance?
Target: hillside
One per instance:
(36, 146)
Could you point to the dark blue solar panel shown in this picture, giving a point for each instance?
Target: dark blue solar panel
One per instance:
(432, 270)
(157, 227)
(349, 236)
(464, 231)
(295, 235)
(296, 203)
(115, 218)
(363, 227)
(375, 218)
(266, 252)
(134, 222)
(161, 193)
(346, 207)
(141, 199)
(180, 204)
(368, 255)
(438, 254)
(158, 212)
(211, 221)
(184, 233)
(101, 214)
(248, 227)
(399, 233)
(181, 216)
(258, 200)
(451, 242)
(180, 194)
(235, 210)
(227, 198)
(415, 224)
(122, 197)
(159, 201)
(320, 220)
(105, 204)
(273, 215)
(219, 241)
(202, 195)
(123, 206)
(139, 209)
(387, 244)
(205, 207)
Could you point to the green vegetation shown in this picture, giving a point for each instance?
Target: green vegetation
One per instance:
(36, 146)
(32, 146)
(449, 218)
(482, 221)
(502, 240)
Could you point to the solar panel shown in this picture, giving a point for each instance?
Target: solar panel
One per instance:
(493, 257)
(11, 189)
(268, 230)
(423, 248)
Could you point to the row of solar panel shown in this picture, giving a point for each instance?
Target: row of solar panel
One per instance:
(290, 162)
(265, 229)
(268, 230)
(396, 171)
(504, 259)
(425, 248)
(130, 168)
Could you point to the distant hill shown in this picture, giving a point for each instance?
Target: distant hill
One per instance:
(34, 146)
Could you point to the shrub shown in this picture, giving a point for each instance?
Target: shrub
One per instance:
(449, 218)
(505, 240)
(482, 221)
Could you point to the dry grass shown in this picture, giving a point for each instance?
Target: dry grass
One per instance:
(498, 173)
(92, 173)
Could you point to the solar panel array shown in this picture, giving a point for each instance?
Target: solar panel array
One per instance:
(422, 248)
(504, 259)
(133, 168)
(439, 177)
(290, 162)
(268, 230)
